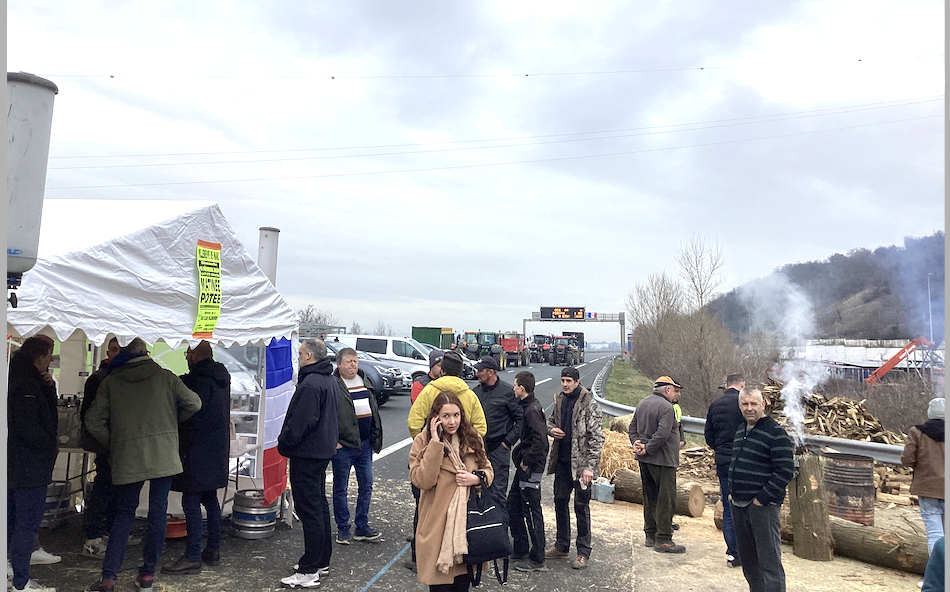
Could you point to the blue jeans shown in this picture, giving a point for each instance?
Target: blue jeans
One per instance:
(127, 500)
(362, 460)
(25, 508)
(728, 528)
(191, 502)
(931, 512)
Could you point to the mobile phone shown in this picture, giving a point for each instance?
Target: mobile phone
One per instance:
(438, 428)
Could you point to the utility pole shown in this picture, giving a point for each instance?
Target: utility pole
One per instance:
(930, 308)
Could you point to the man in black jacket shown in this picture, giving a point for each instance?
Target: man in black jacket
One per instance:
(32, 422)
(722, 420)
(524, 499)
(203, 443)
(309, 438)
(100, 503)
(504, 415)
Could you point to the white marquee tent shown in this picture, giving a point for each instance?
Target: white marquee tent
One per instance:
(129, 268)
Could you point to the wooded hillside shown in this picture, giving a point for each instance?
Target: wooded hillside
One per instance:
(864, 294)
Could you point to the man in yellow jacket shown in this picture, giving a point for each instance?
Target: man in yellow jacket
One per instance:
(450, 381)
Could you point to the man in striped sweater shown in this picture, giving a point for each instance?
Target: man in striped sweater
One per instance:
(760, 468)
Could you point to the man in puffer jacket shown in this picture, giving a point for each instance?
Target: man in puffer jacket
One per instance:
(451, 370)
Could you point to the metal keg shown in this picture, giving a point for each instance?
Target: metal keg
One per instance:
(251, 517)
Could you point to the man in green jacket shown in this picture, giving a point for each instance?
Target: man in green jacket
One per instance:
(361, 434)
(136, 413)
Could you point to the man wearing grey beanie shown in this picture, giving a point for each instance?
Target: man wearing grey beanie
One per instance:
(924, 452)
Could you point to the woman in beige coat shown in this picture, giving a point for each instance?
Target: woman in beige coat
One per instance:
(442, 462)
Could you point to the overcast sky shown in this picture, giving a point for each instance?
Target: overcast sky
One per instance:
(462, 164)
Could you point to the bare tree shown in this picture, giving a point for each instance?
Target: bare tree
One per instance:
(315, 316)
(653, 307)
(700, 263)
(649, 301)
(672, 333)
(382, 328)
(356, 329)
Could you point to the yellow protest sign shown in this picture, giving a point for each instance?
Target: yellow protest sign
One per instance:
(209, 289)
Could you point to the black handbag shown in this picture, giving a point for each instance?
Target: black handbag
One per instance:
(486, 530)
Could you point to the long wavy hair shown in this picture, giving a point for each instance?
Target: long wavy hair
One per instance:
(469, 439)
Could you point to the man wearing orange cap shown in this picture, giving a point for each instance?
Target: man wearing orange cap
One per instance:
(655, 439)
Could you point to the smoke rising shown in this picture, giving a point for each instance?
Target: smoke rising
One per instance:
(778, 306)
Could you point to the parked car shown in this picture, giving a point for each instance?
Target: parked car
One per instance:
(405, 352)
(387, 379)
(468, 368)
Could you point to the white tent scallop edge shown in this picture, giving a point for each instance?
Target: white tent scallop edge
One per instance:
(128, 268)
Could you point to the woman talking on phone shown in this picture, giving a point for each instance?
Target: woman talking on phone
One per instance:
(442, 462)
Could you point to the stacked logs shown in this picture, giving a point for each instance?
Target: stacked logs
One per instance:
(837, 417)
(690, 499)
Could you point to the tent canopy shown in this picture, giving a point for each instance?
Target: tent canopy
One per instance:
(129, 268)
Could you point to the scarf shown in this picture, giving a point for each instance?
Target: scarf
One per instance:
(454, 539)
(122, 359)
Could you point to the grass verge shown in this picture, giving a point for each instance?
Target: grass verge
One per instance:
(626, 385)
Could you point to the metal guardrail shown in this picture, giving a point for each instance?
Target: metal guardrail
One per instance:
(885, 453)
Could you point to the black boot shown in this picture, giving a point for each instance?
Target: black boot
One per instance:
(182, 567)
(211, 557)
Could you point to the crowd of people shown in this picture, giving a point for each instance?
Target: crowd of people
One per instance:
(145, 424)
(464, 438)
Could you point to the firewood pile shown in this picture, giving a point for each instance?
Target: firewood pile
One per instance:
(836, 417)
(698, 463)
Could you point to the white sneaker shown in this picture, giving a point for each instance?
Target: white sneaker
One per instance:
(95, 548)
(36, 587)
(300, 580)
(43, 557)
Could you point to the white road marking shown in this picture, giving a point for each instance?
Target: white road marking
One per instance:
(392, 448)
(541, 381)
(378, 455)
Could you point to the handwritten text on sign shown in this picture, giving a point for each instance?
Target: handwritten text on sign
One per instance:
(209, 289)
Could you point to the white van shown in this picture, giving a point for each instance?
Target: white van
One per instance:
(405, 352)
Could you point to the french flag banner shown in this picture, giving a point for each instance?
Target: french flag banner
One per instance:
(278, 390)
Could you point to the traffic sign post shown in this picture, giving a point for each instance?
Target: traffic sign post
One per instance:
(576, 314)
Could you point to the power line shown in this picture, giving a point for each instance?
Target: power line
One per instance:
(852, 61)
(471, 166)
(658, 129)
(654, 131)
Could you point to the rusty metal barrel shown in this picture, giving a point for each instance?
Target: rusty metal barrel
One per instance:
(849, 484)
